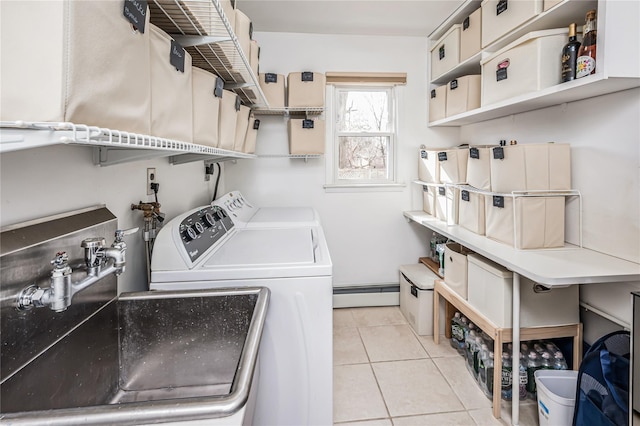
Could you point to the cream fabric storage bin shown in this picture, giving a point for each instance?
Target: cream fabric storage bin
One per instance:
(471, 211)
(446, 53)
(544, 166)
(244, 32)
(463, 94)
(548, 4)
(171, 89)
(242, 124)
(272, 86)
(455, 268)
(64, 61)
(471, 35)
(452, 163)
(429, 199)
(446, 204)
(527, 65)
(491, 289)
(252, 134)
(479, 166)
(501, 16)
(416, 297)
(229, 12)
(207, 92)
(305, 89)
(306, 136)
(539, 221)
(229, 107)
(438, 103)
(254, 56)
(428, 167)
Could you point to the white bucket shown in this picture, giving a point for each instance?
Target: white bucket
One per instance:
(556, 396)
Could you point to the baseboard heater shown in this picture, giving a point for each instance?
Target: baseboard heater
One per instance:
(366, 295)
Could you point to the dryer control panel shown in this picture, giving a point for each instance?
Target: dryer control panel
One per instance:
(202, 229)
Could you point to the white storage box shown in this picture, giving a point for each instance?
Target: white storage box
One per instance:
(501, 16)
(254, 56)
(244, 32)
(428, 167)
(463, 94)
(252, 134)
(491, 290)
(479, 166)
(446, 205)
(471, 211)
(548, 4)
(229, 107)
(429, 199)
(471, 35)
(64, 61)
(272, 86)
(527, 65)
(539, 221)
(171, 88)
(446, 53)
(207, 92)
(305, 89)
(242, 123)
(556, 396)
(416, 297)
(438, 103)
(306, 136)
(542, 166)
(455, 268)
(452, 163)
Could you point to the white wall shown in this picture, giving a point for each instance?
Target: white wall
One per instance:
(40, 182)
(604, 134)
(367, 235)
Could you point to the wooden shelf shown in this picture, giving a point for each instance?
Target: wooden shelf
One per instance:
(500, 335)
(433, 266)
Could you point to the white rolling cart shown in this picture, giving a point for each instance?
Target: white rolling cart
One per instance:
(560, 267)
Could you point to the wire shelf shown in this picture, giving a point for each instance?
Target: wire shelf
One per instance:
(307, 111)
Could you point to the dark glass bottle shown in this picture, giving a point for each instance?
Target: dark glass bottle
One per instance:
(570, 55)
(587, 53)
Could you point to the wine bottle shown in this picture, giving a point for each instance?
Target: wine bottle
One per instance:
(586, 64)
(570, 55)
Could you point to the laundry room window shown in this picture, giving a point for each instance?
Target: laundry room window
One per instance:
(362, 133)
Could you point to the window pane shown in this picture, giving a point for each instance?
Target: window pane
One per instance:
(363, 111)
(363, 158)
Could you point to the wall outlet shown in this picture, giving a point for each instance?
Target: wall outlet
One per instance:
(151, 178)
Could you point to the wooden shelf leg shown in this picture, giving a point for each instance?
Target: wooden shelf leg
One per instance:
(449, 312)
(436, 317)
(497, 374)
(577, 347)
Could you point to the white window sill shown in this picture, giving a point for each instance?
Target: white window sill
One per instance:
(364, 187)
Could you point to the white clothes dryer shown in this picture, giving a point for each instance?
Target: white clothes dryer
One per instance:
(204, 248)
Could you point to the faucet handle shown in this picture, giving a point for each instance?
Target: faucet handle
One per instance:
(61, 259)
(93, 243)
(120, 234)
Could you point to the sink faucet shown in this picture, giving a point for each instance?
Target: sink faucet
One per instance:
(100, 261)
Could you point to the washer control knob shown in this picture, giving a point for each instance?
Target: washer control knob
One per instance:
(190, 234)
(198, 228)
(208, 219)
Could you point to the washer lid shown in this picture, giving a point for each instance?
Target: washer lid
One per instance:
(284, 216)
(260, 247)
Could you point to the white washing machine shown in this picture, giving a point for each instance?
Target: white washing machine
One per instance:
(246, 215)
(204, 248)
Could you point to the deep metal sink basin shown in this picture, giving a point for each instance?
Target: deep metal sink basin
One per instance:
(158, 357)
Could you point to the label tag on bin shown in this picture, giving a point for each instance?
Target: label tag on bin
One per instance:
(217, 92)
(176, 56)
(474, 153)
(256, 124)
(465, 195)
(498, 201)
(442, 156)
(136, 12)
(307, 124)
(270, 78)
(501, 6)
(441, 190)
(307, 76)
(498, 153)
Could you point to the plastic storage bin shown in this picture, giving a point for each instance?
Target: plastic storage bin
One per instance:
(272, 86)
(242, 123)
(463, 94)
(252, 134)
(438, 103)
(305, 89)
(501, 16)
(556, 396)
(306, 136)
(207, 92)
(446, 204)
(455, 268)
(543, 166)
(491, 290)
(446, 53)
(527, 65)
(171, 88)
(452, 163)
(471, 35)
(471, 211)
(539, 221)
(416, 297)
(479, 166)
(229, 107)
(64, 61)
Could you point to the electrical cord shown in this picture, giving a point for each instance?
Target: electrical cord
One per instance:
(215, 190)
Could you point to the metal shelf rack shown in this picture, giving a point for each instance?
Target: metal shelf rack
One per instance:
(290, 111)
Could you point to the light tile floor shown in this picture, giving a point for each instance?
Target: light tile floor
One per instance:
(386, 375)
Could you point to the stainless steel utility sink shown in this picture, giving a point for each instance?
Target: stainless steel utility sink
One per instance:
(157, 357)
